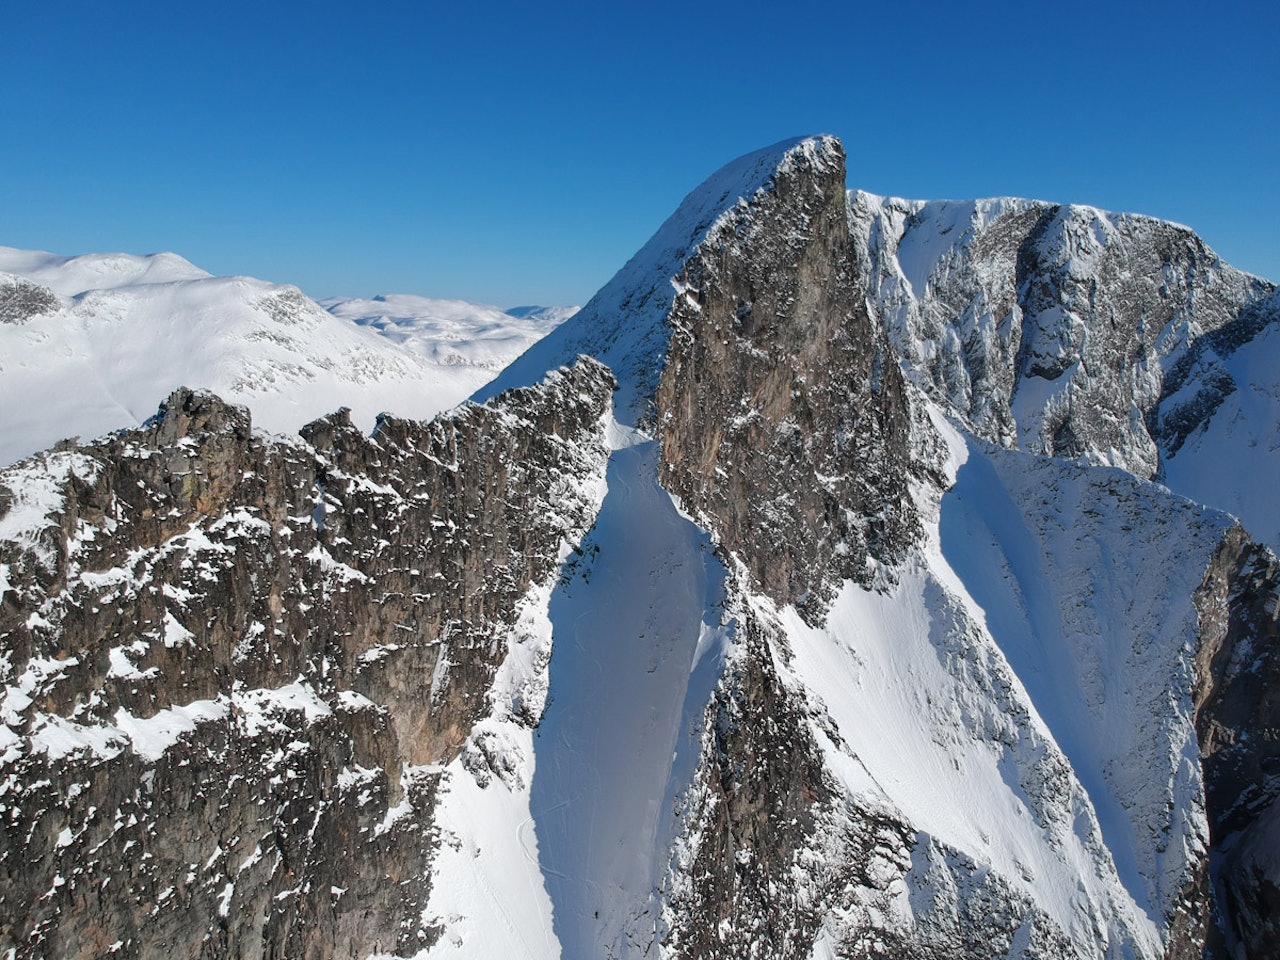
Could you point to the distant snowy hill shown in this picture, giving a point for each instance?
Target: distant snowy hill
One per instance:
(88, 344)
(72, 276)
(452, 333)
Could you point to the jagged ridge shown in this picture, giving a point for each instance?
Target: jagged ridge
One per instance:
(235, 667)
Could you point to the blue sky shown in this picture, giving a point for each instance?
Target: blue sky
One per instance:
(512, 153)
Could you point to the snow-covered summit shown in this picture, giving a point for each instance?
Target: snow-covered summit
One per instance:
(1044, 326)
(72, 276)
(1062, 329)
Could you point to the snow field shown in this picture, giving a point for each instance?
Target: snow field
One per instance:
(627, 633)
(1086, 578)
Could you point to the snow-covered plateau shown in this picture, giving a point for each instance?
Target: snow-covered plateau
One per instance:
(851, 577)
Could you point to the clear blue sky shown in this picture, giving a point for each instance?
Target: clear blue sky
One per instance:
(511, 153)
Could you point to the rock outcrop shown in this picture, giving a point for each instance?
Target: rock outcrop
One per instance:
(1238, 719)
(234, 667)
(782, 414)
(21, 300)
(1046, 327)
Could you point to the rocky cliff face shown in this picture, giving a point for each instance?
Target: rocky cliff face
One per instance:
(782, 416)
(786, 855)
(1046, 327)
(1238, 715)
(802, 451)
(235, 667)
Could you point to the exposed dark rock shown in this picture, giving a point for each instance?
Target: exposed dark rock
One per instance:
(234, 666)
(783, 857)
(21, 300)
(763, 788)
(781, 412)
(1238, 725)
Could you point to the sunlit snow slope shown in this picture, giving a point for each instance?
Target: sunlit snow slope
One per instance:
(1229, 442)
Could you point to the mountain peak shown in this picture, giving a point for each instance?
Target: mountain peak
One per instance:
(781, 654)
(624, 323)
(74, 275)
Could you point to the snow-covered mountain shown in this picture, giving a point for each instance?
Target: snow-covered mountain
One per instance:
(1066, 330)
(88, 344)
(1013, 690)
(826, 608)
